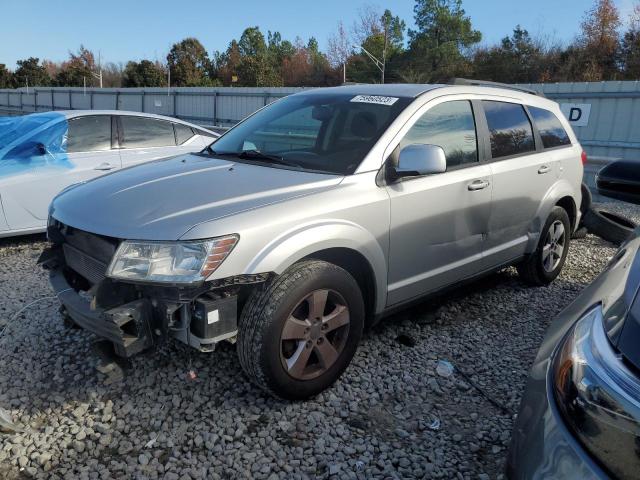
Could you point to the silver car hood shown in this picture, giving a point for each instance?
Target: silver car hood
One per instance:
(164, 199)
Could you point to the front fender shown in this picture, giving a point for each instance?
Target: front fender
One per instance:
(305, 240)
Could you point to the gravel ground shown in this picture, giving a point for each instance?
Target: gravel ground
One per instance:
(390, 416)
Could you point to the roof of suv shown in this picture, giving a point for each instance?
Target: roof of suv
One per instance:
(406, 90)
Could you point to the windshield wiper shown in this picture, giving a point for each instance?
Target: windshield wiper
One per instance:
(253, 155)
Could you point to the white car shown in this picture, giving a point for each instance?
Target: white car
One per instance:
(43, 153)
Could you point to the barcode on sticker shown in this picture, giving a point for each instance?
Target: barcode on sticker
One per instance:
(377, 99)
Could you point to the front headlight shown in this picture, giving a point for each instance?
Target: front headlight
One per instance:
(170, 262)
(598, 396)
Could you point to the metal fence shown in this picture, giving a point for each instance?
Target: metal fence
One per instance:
(203, 106)
(605, 117)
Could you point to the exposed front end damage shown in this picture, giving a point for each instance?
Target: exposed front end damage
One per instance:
(136, 316)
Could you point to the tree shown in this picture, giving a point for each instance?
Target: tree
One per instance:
(518, 59)
(443, 34)
(382, 35)
(31, 72)
(630, 47)
(112, 75)
(78, 70)
(189, 64)
(340, 48)
(144, 74)
(599, 42)
(255, 68)
(6, 77)
(225, 65)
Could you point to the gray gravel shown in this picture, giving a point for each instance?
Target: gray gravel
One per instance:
(390, 416)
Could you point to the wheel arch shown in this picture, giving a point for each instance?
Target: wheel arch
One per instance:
(569, 206)
(342, 243)
(359, 268)
(562, 194)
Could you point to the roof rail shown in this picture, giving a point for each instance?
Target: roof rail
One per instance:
(486, 83)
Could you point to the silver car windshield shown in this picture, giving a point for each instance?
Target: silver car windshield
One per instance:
(329, 133)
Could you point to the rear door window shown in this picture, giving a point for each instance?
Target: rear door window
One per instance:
(449, 125)
(141, 132)
(509, 127)
(89, 134)
(551, 130)
(183, 133)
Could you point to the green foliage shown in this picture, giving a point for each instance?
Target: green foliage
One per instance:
(6, 77)
(77, 70)
(444, 31)
(518, 59)
(189, 64)
(144, 74)
(31, 72)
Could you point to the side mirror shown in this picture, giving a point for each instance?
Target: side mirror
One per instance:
(27, 150)
(620, 180)
(418, 159)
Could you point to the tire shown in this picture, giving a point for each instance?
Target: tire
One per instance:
(587, 199)
(283, 307)
(608, 225)
(544, 265)
(580, 233)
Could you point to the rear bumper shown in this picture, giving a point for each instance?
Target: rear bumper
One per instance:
(126, 326)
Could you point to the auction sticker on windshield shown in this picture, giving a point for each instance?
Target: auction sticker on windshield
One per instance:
(377, 99)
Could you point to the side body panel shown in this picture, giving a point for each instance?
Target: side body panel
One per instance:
(519, 185)
(437, 229)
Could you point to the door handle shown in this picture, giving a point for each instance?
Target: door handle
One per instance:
(477, 185)
(544, 169)
(104, 166)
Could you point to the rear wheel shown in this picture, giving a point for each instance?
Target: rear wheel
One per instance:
(299, 332)
(545, 264)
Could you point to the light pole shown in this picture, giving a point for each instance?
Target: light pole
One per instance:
(378, 63)
(99, 74)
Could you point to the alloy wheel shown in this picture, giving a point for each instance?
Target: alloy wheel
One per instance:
(554, 245)
(314, 334)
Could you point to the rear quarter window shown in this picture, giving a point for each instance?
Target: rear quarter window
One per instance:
(183, 133)
(551, 130)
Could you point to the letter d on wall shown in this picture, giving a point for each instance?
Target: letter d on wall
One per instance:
(576, 113)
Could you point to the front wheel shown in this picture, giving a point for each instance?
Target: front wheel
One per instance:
(545, 264)
(299, 331)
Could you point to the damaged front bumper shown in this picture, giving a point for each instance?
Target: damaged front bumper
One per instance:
(134, 317)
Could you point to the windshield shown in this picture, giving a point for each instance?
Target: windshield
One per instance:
(317, 132)
(12, 128)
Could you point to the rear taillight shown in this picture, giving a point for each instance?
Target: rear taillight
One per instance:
(583, 157)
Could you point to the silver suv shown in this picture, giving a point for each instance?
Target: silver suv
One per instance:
(314, 218)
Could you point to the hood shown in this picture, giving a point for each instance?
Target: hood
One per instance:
(164, 199)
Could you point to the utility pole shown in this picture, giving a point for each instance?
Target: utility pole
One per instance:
(99, 74)
(384, 48)
(168, 79)
(378, 63)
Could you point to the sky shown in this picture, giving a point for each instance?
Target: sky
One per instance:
(136, 29)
